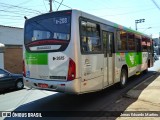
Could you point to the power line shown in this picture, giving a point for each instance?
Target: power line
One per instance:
(12, 18)
(59, 5)
(55, 5)
(62, 4)
(155, 4)
(10, 15)
(15, 6)
(19, 4)
(18, 11)
(129, 12)
(13, 12)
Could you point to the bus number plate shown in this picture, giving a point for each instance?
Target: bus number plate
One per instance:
(42, 85)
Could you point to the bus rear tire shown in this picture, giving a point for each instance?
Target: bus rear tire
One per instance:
(145, 71)
(123, 78)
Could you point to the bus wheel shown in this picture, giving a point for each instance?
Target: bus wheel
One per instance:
(123, 78)
(145, 71)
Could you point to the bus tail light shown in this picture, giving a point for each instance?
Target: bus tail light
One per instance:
(71, 70)
(24, 69)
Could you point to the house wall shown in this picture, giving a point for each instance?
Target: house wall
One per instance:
(13, 59)
(11, 35)
(12, 38)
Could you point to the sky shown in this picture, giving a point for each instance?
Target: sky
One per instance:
(123, 12)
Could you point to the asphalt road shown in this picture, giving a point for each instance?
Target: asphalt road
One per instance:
(38, 100)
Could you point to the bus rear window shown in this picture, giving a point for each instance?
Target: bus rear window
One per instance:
(51, 29)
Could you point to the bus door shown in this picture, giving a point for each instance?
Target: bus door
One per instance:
(139, 53)
(108, 38)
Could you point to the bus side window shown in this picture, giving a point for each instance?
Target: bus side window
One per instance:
(138, 43)
(131, 42)
(90, 37)
(144, 44)
(149, 45)
(84, 36)
(122, 40)
(110, 43)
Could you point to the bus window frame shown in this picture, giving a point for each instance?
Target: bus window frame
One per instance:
(149, 48)
(80, 33)
(142, 49)
(139, 37)
(49, 16)
(134, 50)
(108, 49)
(117, 50)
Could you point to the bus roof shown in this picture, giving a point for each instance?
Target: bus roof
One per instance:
(90, 16)
(104, 21)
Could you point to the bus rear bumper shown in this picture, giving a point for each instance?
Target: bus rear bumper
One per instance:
(71, 87)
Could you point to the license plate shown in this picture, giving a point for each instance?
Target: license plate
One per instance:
(42, 85)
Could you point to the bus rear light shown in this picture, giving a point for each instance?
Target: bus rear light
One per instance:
(71, 70)
(24, 69)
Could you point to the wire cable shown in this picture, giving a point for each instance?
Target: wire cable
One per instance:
(59, 5)
(130, 12)
(19, 7)
(62, 4)
(155, 4)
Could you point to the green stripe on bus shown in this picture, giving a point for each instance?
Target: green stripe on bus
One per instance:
(139, 57)
(36, 58)
(132, 58)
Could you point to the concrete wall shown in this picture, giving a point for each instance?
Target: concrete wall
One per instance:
(12, 38)
(11, 35)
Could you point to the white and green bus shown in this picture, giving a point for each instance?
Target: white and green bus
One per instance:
(74, 52)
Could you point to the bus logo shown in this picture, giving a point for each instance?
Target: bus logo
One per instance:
(131, 59)
(44, 48)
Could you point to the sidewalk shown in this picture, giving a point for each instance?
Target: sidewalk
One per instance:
(143, 99)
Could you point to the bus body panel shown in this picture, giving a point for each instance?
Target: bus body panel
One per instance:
(72, 87)
(74, 46)
(144, 64)
(40, 66)
(92, 72)
(92, 66)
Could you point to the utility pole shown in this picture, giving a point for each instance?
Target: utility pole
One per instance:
(139, 21)
(50, 4)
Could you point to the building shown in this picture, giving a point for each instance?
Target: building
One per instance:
(11, 50)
